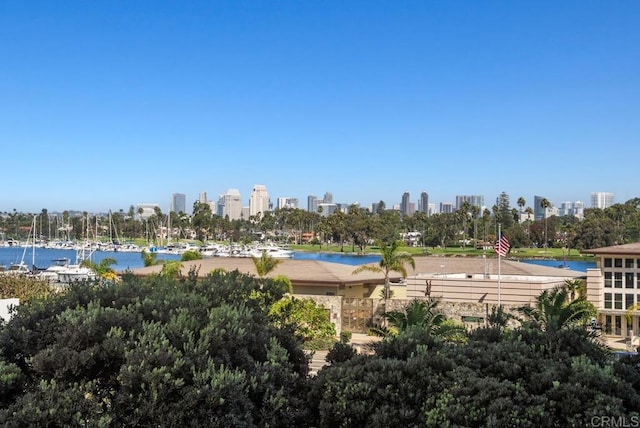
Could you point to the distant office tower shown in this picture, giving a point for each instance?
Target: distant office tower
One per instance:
(230, 204)
(404, 204)
(431, 210)
(144, 211)
(601, 200)
(178, 203)
(312, 203)
(566, 209)
(202, 198)
(328, 198)
(423, 203)
(539, 212)
(325, 210)
(473, 200)
(287, 203)
(446, 207)
(259, 200)
(578, 210)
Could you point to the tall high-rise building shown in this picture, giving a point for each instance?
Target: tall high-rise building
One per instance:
(473, 200)
(446, 207)
(178, 203)
(144, 211)
(230, 204)
(539, 212)
(578, 209)
(259, 200)
(287, 203)
(312, 203)
(328, 198)
(202, 198)
(601, 199)
(404, 204)
(423, 203)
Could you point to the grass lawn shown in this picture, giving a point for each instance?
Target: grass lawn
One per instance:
(520, 253)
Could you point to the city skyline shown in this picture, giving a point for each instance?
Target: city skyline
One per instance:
(107, 105)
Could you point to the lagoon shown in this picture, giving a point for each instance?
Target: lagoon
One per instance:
(133, 260)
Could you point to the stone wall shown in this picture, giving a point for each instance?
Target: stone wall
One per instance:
(472, 315)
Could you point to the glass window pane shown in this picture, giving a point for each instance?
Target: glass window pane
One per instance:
(628, 263)
(628, 279)
(607, 262)
(607, 279)
(618, 301)
(607, 300)
(617, 279)
(628, 301)
(617, 263)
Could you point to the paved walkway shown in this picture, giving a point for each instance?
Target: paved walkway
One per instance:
(360, 342)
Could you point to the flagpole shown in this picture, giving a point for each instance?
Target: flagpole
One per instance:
(499, 258)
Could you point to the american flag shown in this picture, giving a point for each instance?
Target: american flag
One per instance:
(502, 246)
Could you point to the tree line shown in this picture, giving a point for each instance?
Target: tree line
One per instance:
(355, 228)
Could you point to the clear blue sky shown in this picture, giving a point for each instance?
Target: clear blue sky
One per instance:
(107, 104)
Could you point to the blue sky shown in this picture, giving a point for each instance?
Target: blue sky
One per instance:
(107, 104)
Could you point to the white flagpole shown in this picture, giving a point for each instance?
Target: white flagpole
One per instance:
(499, 243)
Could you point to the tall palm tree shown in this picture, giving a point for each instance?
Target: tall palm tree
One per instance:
(544, 204)
(521, 203)
(391, 260)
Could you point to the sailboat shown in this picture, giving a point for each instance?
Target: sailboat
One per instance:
(64, 272)
(22, 268)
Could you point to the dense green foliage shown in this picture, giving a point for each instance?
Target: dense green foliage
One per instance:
(154, 352)
(223, 351)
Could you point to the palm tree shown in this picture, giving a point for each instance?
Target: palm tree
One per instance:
(265, 264)
(103, 269)
(544, 203)
(576, 287)
(390, 261)
(423, 315)
(464, 214)
(521, 203)
(554, 310)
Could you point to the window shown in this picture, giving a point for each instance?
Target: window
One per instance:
(607, 300)
(628, 279)
(607, 279)
(628, 263)
(617, 304)
(617, 279)
(607, 262)
(617, 263)
(628, 301)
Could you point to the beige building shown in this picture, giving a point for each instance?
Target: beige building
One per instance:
(613, 286)
(466, 286)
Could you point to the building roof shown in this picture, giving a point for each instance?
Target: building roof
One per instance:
(632, 249)
(313, 272)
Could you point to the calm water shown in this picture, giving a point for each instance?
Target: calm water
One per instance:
(345, 259)
(581, 266)
(44, 256)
